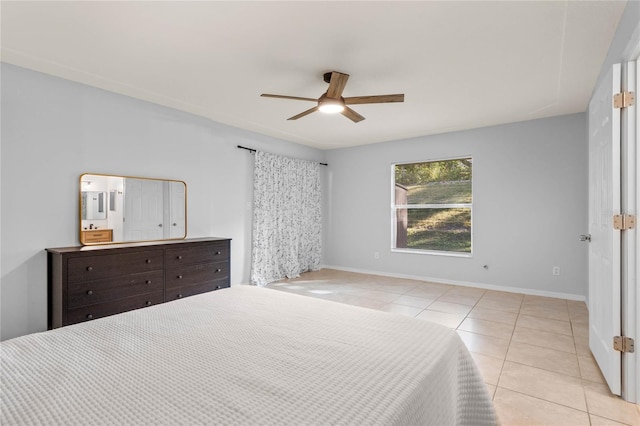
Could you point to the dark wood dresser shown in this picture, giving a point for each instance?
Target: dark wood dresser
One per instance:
(96, 281)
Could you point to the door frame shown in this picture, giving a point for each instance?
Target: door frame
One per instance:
(630, 277)
(630, 200)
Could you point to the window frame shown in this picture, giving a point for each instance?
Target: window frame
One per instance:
(395, 207)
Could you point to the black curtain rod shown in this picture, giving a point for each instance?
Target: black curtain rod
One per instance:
(254, 150)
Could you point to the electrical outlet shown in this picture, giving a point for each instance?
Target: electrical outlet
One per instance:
(376, 255)
(556, 270)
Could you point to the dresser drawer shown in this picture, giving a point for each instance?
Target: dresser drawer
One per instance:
(98, 267)
(99, 310)
(180, 292)
(193, 274)
(97, 291)
(216, 252)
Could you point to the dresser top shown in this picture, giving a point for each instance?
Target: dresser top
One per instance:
(98, 247)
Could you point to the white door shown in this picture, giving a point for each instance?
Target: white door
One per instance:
(604, 249)
(177, 195)
(143, 218)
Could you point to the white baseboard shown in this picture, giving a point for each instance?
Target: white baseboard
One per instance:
(530, 291)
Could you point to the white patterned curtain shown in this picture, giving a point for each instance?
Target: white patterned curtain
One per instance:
(287, 223)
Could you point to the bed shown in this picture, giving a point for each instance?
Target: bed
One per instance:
(244, 356)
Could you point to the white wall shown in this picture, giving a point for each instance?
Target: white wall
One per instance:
(53, 130)
(529, 206)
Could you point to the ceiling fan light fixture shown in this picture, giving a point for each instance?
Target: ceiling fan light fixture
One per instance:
(330, 106)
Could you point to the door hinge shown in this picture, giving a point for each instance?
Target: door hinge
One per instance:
(623, 344)
(623, 222)
(623, 100)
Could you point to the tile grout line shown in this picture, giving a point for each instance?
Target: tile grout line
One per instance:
(575, 347)
(508, 348)
(553, 402)
(493, 395)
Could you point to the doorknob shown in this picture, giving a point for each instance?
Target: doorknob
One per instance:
(586, 237)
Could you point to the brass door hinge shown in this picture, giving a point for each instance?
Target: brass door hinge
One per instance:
(623, 100)
(623, 344)
(623, 222)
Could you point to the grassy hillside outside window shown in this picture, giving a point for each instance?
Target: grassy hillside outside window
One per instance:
(432, 206)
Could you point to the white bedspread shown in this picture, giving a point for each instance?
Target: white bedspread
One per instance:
(245, 356)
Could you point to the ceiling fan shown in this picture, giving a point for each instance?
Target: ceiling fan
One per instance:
(332, 101)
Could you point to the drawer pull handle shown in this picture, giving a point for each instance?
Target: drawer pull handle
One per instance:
(89, 316)
(89, 268)
(179, 296)
(148, 260)
(148, 303)
(218, 270)
(218, 287)
(89, 292)
(148, 281)
(218, 252)
(179, 257)
(179, 277)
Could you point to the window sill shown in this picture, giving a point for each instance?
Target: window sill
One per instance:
(433, 252)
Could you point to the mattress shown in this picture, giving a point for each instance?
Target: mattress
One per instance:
(244, 356)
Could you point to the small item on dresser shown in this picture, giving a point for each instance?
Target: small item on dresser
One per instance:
(96, 235)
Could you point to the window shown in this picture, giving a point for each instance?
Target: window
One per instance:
(431, 211)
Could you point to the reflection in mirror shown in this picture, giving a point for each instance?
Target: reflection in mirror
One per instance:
(120, 209)
(93, 205)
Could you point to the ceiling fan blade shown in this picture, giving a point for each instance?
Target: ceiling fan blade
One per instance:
(352, 115)
(267, 95)
(374, 99)
(336, 84)
(302, 114)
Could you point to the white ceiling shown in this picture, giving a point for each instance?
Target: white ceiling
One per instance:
(460, 65)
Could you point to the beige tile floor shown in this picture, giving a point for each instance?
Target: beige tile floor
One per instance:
(532, 351)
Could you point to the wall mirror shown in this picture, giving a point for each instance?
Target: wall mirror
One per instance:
(123, 209)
